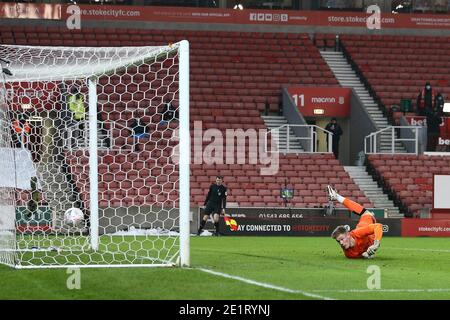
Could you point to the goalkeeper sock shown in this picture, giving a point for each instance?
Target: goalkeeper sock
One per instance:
(352, 206)
(202, 225)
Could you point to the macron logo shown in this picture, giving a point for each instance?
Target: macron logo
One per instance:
(323, 100)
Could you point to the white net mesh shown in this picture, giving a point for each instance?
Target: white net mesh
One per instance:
(7, 185)
(47, 118)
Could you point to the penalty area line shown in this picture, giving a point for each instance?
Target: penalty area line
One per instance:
(382, 290)
(418, 249)
(264, 285)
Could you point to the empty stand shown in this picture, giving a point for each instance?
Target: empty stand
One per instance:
(233, 74)
(410, 177)
(397, 67)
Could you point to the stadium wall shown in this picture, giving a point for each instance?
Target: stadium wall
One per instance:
(358, 125)
(425, 228)
(166, 18)
(315, 222)
(113, 219)
(296, 222)
(294, 117)
(361, 125)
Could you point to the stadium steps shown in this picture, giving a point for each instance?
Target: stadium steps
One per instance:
(372, 191)
(101, 142)
(273, 122)
(348, 78)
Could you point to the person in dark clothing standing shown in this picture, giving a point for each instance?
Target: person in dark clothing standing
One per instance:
(425, 100)
(336, 130)
(434, 120)
(33, 203)
(439, 104)
(215, 203)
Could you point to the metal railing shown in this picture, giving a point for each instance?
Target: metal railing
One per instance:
(305, 134)
(77, 135)
(372, 142)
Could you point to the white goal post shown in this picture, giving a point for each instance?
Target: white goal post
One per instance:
(104, 130)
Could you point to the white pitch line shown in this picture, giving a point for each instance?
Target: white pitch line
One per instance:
(382, 290)
(419, 249)
(264, 285)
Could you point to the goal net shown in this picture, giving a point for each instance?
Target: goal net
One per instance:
(94, 149)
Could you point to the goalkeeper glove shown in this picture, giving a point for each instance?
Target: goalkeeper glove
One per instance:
(373, 248)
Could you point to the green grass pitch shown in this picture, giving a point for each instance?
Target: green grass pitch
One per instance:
(281, 267)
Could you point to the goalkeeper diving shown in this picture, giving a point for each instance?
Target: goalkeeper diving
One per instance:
(364, 240)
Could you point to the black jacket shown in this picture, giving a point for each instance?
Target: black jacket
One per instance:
(217, 195)
(434, 121)
(335, 129)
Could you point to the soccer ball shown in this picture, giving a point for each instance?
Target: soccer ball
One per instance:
(73, 216)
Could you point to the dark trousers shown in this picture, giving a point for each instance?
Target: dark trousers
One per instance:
(421, 112)
(335, 148)
(432, 141)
